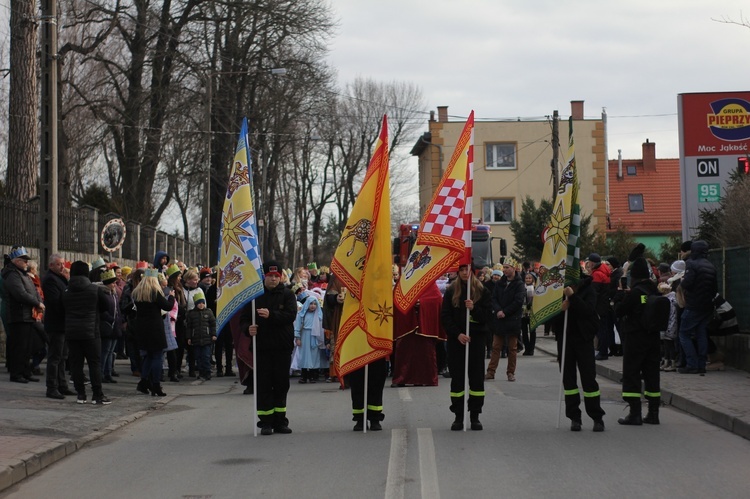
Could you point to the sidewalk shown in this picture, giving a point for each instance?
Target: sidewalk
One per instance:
(36, 431)
(721, 398)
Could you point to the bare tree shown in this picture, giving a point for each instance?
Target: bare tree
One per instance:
(23, 115)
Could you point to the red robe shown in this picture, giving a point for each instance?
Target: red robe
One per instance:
(415, 335)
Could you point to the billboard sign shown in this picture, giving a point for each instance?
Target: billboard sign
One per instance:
(714, 133)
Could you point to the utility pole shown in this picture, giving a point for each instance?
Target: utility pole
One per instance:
(555, 152)
(48, 174)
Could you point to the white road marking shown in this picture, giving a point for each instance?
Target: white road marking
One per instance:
(404, 394)
(394, 485)
(427, 465)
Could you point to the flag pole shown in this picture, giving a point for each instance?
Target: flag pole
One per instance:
(466, 353)
(255, 379)
(364, 415)
(562, 368)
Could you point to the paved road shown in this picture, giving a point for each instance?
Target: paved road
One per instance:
(201, 445)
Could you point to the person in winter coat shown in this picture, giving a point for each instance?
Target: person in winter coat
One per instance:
(641, 349)
(699, 287)
(161, 260)
(54, 284)
(129, 325)
(508, 298)
(580, 304)
(84, 302)
(308, 336)
(453, 317)
(178, 326)
(600, 279)
(22, 300)
(201, 333)
(109, 325)
(276, 310)
(150, 302)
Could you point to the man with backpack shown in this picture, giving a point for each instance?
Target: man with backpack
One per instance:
(641, 315)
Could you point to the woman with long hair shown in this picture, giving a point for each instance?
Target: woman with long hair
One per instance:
(453, 315)
(149, 303)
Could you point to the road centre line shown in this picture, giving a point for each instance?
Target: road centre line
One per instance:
(427, 465)
(394, 485)
(404, 394)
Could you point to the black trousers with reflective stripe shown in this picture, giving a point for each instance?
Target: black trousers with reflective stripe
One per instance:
(456, 365)
(378, 372)
(641, 356)
(579, 354)
(273, 385)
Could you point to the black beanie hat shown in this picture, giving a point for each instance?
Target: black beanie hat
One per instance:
(79, 268)
(685, 246)
(639, 269)
(637, 252)
(614, 262)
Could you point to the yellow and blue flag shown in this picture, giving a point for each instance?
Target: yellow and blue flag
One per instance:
(240, 277)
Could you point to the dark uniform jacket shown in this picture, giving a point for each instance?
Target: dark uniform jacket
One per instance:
(583, 321)
(83, 302)
(277, 331)
(53, 286)
(454, 318)
(630, 308)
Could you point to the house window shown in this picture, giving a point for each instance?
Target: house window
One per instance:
(635, 202)
(497, 210)
(632, 170)
(501, 156)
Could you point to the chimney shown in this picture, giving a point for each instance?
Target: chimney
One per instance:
(576, 109)
(649, 156)
(619, 164)
(432, 116)
(443, 114)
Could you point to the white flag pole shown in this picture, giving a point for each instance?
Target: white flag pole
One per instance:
(255, 379)
(562, 367)
(364, 415)
(466, 353)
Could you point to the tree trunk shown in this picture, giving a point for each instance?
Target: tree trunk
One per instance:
(23, 129)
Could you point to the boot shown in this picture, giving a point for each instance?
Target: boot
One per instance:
(653, 412)
(142, 386)
(156, 390)
(475, 424)
(634, 417)
(313, 376)
(670, 366)
(359, 423)
(458, 423)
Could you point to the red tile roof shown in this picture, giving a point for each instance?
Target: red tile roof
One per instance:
(662, 211)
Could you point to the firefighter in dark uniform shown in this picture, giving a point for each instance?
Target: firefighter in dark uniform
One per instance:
(275, 311)
(583, 322)
(641, 350)
(453, 317)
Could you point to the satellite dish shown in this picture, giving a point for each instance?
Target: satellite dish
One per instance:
(113, 235)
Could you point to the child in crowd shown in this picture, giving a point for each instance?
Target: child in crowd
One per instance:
(308, 337)
(201, 333)
(668, 337)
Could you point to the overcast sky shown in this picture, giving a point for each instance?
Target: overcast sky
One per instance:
(508, 59)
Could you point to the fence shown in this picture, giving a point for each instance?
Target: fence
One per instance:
(79, 230)
(733, 271)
